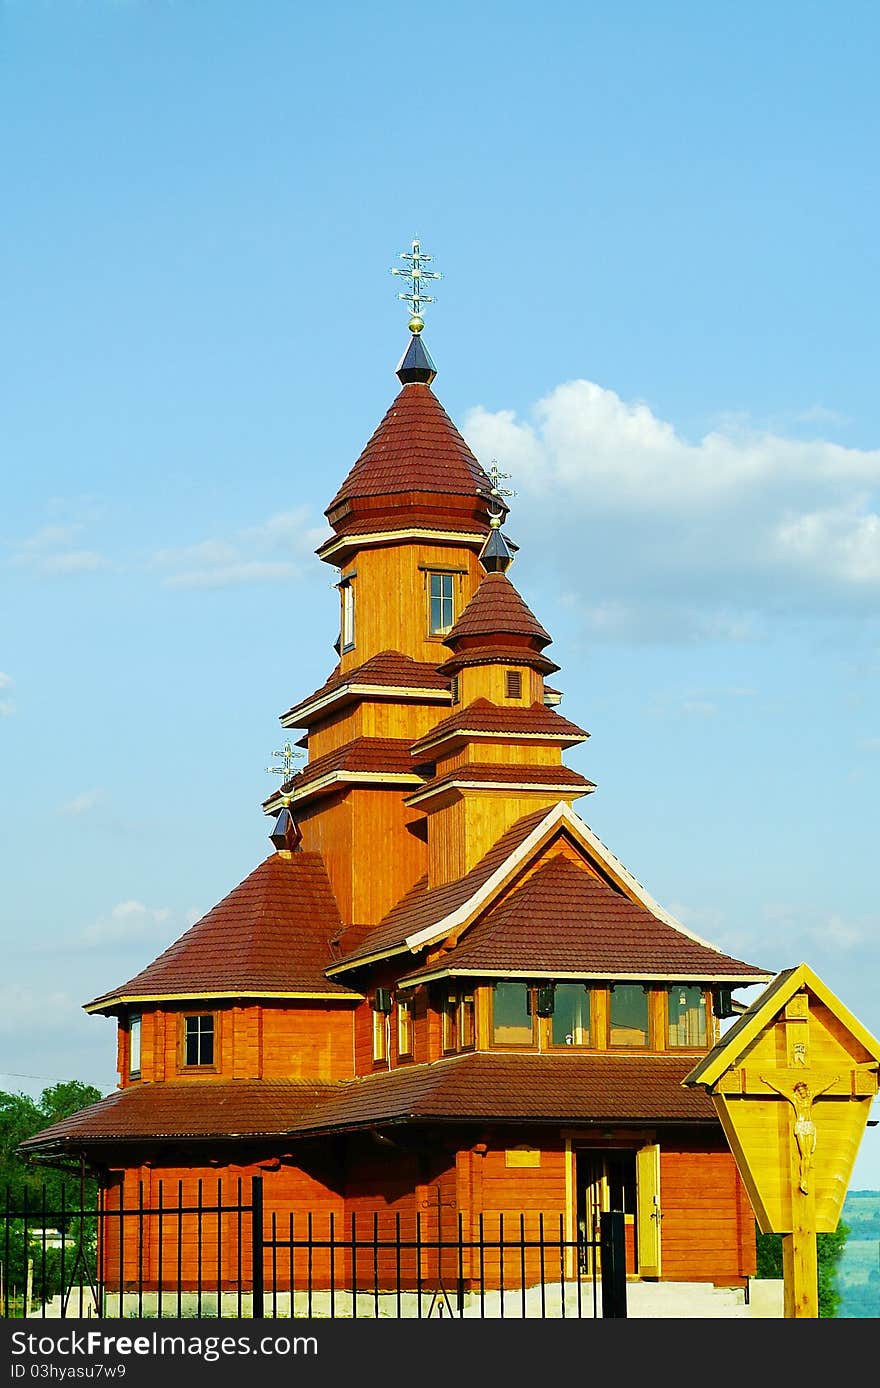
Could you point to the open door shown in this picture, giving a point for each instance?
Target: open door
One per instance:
(648, 1207)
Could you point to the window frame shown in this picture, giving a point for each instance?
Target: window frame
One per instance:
(444, 575)
(347, 625)
(590, 1043)
(467, 1020)
(404, 1028)
(449, 1020)
(532, 1043)
(701, 1044)
(380, 1037)
(629, 1045)
(135, 1029)
(200, 1065)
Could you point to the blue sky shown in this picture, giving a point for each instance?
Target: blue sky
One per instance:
(656, 226)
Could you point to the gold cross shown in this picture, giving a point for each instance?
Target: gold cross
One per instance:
(416, 273)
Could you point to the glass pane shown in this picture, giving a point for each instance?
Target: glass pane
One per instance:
(629, 1015)
(687, 1016)
(404, 1029)
(570, 1024)
(441, 614)
(134, 1046)
(466, 1021)
(511, 1022)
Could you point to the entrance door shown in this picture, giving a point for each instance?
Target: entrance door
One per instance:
(605, 1180)
(649, 1213)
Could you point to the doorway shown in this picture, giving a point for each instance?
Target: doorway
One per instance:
(605, 1179)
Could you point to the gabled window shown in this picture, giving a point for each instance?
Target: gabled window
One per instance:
(134, 1047)
(441, 603)
(198, 1039)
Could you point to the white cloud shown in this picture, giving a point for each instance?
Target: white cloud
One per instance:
(704, 540)
(23, 1010)
(50, 553)
(81, 804)
(6, 681)
(265, 553)
(7, 708)
(126, 921)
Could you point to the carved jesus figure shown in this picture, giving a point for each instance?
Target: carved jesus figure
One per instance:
(802, 1097)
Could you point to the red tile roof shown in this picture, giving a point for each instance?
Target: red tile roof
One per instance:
(489, 653)
(419, 907)
(372, 755)
(481, 716)
(415, 448)
(269, 935)
(496, 610)
(492, 774)
(565, 920)
(570, 1087)
(189, 1108)
(485, 1086)
(387, 669)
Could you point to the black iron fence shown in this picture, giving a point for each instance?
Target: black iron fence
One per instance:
(216, 1256)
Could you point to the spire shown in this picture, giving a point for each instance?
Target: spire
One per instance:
(416, 365)
(496, 556)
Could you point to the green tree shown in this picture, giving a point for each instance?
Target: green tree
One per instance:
(829, 1248)
(41, 1192)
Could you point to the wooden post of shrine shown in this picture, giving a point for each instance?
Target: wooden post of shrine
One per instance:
(792, 1082)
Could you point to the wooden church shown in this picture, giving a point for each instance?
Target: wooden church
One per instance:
(440, 988)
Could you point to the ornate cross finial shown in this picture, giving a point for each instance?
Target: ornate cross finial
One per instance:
(288, 757)
(496, 491)
(415, 272)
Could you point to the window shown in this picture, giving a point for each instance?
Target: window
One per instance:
(380, 1035)
(570, 1021)
(687, 1016)
(466, 1023)
(134, 1047)
(449, 1020)
(512, 1015)
(198, 1039)
(513, 684)
(629, 1015)
(404, 1027)
(453, 689)
(441, 605)
(347, 628)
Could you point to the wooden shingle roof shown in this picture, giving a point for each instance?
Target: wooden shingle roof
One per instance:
(415, 449)
(268, 937)
(496, 611)
(570, 1087)
(564, 920)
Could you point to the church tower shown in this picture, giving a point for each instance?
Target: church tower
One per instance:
(434, 733)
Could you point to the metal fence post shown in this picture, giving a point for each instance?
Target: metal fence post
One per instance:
(257, 1247)
(612, 1240)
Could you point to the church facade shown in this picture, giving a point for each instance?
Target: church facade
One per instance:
(440, 989)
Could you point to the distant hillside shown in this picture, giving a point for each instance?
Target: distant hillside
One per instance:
(858, 1272)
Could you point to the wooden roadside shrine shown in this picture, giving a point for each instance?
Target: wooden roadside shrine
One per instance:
(792, 1082)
